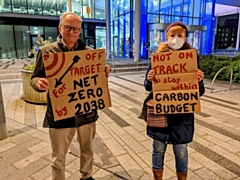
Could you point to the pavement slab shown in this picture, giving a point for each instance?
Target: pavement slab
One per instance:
(122, 148)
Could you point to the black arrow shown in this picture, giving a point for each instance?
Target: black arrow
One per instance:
(59, 81)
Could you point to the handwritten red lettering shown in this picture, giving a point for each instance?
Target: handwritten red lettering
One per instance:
(88, 56)
(59, 90)
(181, 55)
(85, 70)
(170, 69)
(94, 56)
(155, 81)
(161, 57)
(62, 112)
(187, 55)
(100, 55)
(171, 80)
(182, 86)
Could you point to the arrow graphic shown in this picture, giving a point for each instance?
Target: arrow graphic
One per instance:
(59, 81)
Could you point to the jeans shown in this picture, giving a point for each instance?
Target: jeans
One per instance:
(180, 152)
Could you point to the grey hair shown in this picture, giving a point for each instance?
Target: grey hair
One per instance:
(69, 13)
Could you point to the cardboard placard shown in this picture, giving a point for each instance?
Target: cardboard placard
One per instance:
(175, 86)
(77, 82)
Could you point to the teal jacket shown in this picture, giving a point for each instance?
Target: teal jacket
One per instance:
(39, 72)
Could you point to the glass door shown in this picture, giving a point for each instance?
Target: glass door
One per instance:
(156, 36)
(100, 38)
(196, 37)
(115, 45)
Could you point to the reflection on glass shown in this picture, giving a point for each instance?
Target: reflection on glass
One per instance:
(100, 38)
(120, 32)
(153, 18)
(87, 9)
(40, 7)
(51, 32)
(36, 30)
(7, 46)
(177, 8)
(77, 7)
(22, 41)
(18, 7)
(34, 7)
(153, 6)
(6, 7)
(156, 37)
(100, 9)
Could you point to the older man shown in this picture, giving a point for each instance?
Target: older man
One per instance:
(61, 132)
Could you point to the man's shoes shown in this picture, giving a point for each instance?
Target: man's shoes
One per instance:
(90, 178)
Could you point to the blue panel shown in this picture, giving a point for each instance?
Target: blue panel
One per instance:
(209, 21)
(143, 32)
(228, 2)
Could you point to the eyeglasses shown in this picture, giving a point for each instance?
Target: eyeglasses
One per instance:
(69, 28)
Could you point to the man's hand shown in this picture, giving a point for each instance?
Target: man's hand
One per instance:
(200, 75)
(150, 75)
(42, 84)
(107, 70)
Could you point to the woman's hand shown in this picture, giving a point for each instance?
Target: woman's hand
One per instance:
(107, 70)
(150, 75)
(200, 75)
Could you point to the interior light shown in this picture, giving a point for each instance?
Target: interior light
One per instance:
(97, 13)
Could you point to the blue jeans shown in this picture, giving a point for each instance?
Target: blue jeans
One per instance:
(180, 152)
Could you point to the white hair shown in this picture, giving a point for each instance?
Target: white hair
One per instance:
(69, 13)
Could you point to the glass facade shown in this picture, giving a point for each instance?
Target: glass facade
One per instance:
(7, 42)
(18, 40)
(40, 7)
(195, 14)
(21, 34)
(94, 9)
(122, 25)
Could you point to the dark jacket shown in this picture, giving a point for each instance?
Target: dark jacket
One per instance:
(180, 126)
(39, 72)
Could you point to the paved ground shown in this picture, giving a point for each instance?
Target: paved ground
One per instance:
(122, 149)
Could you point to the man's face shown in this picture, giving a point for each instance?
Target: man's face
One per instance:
(70, 29)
